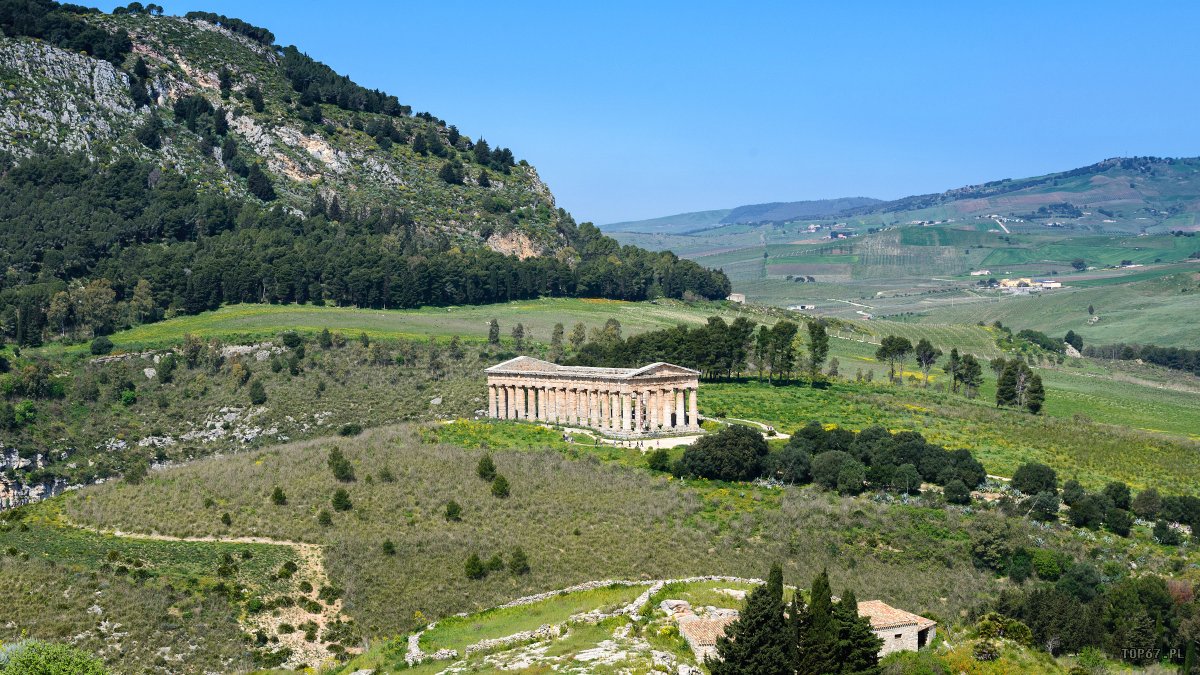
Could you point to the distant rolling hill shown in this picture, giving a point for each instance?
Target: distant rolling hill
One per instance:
(678, 223)
(776, 212)
(1122, 194)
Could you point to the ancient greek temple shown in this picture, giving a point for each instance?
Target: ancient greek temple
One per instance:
(622, 402)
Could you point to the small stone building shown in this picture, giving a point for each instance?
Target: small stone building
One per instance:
(899, 630)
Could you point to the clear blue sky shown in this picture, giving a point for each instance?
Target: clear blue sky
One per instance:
(635, 109)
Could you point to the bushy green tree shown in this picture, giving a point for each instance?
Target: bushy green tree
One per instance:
(278, 497)
(453, 511)
(734, 453)
(1119, 493)
(1072, 492)
(956, 492)
(1034, 477)
(659, 460)
(790, 464)
(1147, 504)
(1087, 512)
(493, 332)
(1119, 522)
(1044, 506)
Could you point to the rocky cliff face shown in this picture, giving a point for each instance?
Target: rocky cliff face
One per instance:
(57, 99)
(61, 99)
(15, 491)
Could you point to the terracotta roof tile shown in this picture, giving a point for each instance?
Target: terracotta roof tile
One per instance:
(883, 615)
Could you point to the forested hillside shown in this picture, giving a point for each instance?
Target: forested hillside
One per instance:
(160, 165)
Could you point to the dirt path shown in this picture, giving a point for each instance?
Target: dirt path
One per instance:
(310, 567)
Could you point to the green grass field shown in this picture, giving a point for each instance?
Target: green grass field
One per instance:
(1002, 439)
(252, 322)
(1161, 310)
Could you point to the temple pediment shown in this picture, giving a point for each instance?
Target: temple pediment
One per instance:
(659, 369)
(523, 365)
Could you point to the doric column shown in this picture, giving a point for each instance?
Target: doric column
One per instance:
(570, 406)
(560, 405)
(638, 420)
(543, 404)
(492, 401)
(693, 410)
(515, 404)
(654, 408)
(505, 402)
(680, 419)
(520, 402)
(604, 405)
(626, 412)
(594, 408)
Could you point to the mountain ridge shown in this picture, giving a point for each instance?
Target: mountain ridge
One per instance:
(682, 223)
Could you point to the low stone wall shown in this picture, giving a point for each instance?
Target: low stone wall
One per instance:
(416, 655)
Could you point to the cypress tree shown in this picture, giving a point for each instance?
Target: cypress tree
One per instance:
(858, 646)
(799, 622)
(819, 645)
(759, 642)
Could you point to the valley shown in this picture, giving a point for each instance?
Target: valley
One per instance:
(248, 307)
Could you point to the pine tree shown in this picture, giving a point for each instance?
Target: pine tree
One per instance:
(970, 375)
(858, 646)
(500, 487)
(518, 336)
(578, 336)
(953, 364)
(818, 648)
(341, 500)
(518, 564)
(1006, 387)
(486, 469)
(927, 355)
(1035, 397)
(259, 184)
(760, 641)
(277, 497)
(474, 567)
(493, 332)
